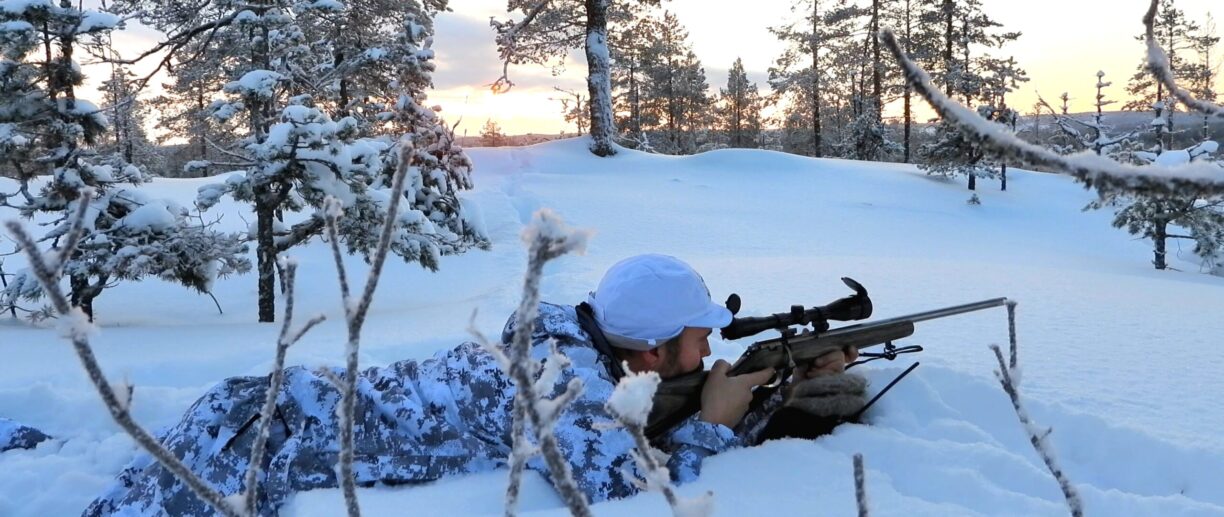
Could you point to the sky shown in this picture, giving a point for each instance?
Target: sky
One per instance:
(1064, 44)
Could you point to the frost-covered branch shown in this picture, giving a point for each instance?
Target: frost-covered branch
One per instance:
(507, 41)
(630, 404)
(1201, 179)
(287, 338)
(1039, 439)
(77, 328)
(860, 486)
(354, 315)
(547, 238)
(1158, 64)
(1011, 334)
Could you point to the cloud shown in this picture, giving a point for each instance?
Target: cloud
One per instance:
(467, 57)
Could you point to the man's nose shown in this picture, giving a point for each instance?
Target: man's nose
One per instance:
(705, 348)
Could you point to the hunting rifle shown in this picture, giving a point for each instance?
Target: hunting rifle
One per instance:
(680, 397)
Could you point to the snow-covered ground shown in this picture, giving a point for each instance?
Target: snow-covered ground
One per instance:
(1122, 360)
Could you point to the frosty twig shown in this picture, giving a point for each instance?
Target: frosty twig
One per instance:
(630, 404)
(287, 338)
(1202, 179)
(1039, 440)
(860, 486)
(1158, 65)
(354, 316)
(78, 328)
(547, 238)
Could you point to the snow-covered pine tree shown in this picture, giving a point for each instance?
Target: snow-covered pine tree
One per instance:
(676, 93)
(1174, 32)
(1202, 73)
(739, 112)
(295, 70)
(574, 108)
(546, 32)
(966, 27)
(128, 115)
(491, 134)
(634, 49)
(802, 74)
(1095, 134)
(919, 36)
(46, 130)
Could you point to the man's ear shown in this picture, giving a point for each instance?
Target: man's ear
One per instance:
(645, 360)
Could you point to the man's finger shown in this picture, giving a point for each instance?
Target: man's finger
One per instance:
(760, 377)
(720, 367)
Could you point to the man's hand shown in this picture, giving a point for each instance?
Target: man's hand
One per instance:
(830, 363)
(724, 400)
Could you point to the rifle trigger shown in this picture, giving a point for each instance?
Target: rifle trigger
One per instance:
(780, 375)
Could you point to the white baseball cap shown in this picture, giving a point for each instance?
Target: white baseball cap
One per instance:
(644, 301)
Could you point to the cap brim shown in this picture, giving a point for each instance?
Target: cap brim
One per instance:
(715, 317)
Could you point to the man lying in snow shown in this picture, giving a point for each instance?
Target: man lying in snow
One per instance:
(419, 421)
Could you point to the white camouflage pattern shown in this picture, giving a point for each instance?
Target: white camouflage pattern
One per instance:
(416, 422)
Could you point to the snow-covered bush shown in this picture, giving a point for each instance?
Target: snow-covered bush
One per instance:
(46, 130)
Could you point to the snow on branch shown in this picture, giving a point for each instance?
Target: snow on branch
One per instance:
(507, 42)
(1158, 64)
(547, 238)
(78, 329)
(287, 338)
(1038, 438)
(630, 404)
(1202, 179)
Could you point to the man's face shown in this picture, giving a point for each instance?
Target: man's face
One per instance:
(693, 347)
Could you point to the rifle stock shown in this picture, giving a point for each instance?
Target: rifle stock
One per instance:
(679, 397)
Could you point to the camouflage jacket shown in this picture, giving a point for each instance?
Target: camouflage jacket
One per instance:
(416, 422)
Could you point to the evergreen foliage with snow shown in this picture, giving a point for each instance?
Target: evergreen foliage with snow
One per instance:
(739, 111)
(46, 130)
(545, 33)
(316, 95)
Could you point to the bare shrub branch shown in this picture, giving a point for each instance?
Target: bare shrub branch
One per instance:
(547, 238)
(860, 486)
(77, 329)
(1011, 334)
(287, 338)
(354, 316)
(630, 404)
(1198, 178)
(1039, 440)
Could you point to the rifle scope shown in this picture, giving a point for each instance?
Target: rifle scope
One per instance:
(854, 307)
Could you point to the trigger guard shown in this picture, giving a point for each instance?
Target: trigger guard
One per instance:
(775, 381)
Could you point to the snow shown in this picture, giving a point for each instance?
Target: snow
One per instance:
(21, 6)
(632, 398)
(92, 21)
(153, 216)
(255, 82)
(1122, 361)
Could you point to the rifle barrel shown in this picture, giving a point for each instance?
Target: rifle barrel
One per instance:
(927, 315)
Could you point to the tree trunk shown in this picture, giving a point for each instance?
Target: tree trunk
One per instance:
(265, 254)
(1159, 236)
(816, 137)
(599, 82)
(908, 90)
(1003, 177)
(875, 54)
(949, 8)
(82, 293)
(972, 181)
